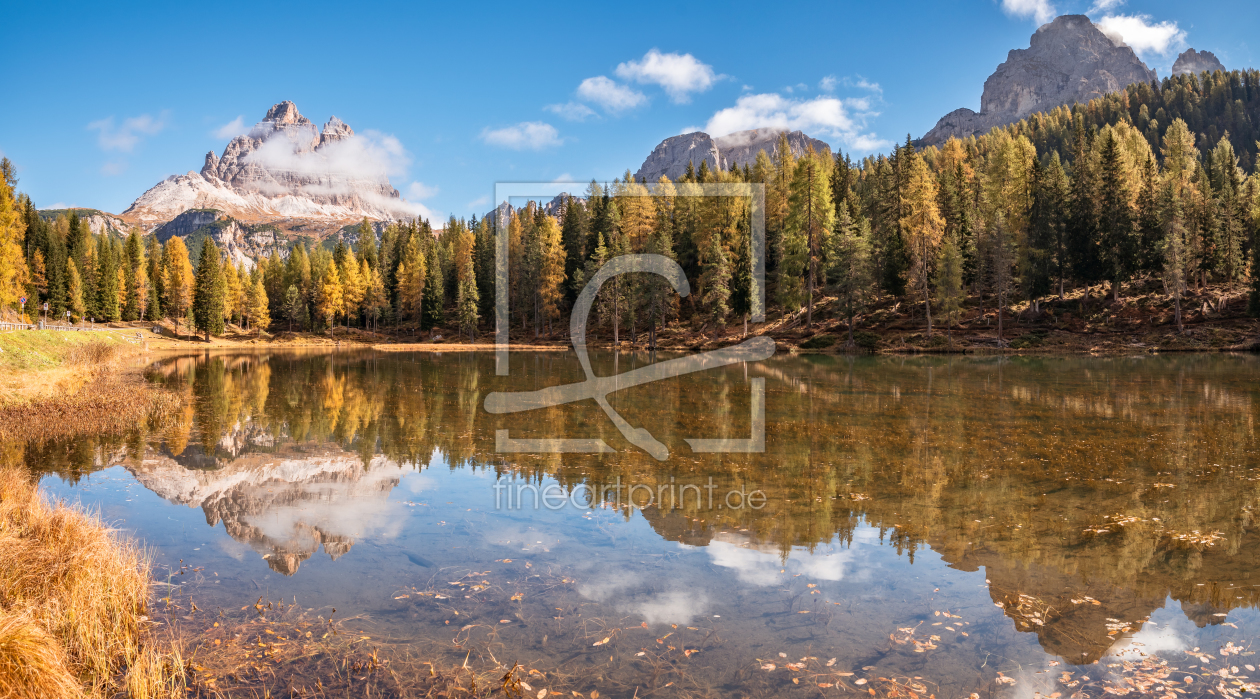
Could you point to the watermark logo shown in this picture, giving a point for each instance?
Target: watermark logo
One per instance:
(596, 387)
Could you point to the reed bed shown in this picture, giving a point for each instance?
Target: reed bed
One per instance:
(95, 394)
(73, 605)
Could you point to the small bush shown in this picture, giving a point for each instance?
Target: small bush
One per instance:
(866, 339)
(821, 341)
(938, 340)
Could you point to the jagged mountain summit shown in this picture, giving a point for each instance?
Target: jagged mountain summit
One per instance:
(1195, 62)
(284, 171)
(672, 156)
(1068, 60)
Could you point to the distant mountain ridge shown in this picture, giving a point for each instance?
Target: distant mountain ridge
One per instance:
(1192, 62)
(671, 157)
(284, 171)
(1068, 60)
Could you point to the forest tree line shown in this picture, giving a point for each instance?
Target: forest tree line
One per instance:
(1150, 183)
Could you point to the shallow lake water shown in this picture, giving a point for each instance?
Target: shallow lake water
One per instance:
(927, 526)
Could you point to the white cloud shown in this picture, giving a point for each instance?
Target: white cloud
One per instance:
(527, 135)
(114, 167)
(679, 74)
(232, 129)
(479, 202)
(610, 95)
(828, 84)
(1041, 11)
(369, 155)
(125, 136)
(689, 129)
(571, 111)
(864, 84)
(566, 177)
(828, 116)
(1143, 36)
(420, 190)
(1104, 6)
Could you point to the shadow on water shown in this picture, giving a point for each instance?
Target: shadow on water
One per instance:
(915, 526)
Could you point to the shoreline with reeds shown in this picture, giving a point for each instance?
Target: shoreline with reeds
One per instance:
(74, 604)
(63, 384)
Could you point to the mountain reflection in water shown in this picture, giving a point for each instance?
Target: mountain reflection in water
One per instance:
(1089, 491)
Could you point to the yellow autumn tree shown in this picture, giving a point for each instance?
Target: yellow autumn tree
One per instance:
(331, 297)
(922, 226)
(551, 279)
(13, 271)
(177, 285)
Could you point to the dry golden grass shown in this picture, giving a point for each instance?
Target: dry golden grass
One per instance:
(81, 386)
(73, 604)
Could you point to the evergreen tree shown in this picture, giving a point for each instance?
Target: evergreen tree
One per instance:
(208, 291)
(849, 269)
(107, 288)
(949, 284)
(1115, 215)
(811, 215)
(433, 305)
(294, 307)
(716, 283)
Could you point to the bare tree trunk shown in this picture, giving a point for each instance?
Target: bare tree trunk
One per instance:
(745, 326)
(1181, 329)
(927, 307)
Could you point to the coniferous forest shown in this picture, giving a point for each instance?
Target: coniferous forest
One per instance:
(1152, 187)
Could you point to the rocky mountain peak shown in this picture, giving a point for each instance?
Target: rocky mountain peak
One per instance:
(285, 113)
(283, 171)
(1068, 60)
(1194, 62)
(671, 157)
(335, 130)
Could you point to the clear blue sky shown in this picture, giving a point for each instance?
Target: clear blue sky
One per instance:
(102, 102)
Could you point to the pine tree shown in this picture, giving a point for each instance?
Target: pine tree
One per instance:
(849, 269)
(716, 283)
(137, 278)
(1115, 215)
(466, 298)
(949, 284)
(208, 291)
(433, 306)
(107, 287)
(1175, 264)
(367, 244)
(811, 215)
(294, 307)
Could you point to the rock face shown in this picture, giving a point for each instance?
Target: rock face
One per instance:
(1195, 62)
(241, 243)
(672, 156)
(285, 171)
(284, 506)
(1068, 60)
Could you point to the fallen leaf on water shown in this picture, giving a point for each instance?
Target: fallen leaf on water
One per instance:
(825, 685)
(640, 653)
(859, 681)
(768, 666)
(600, 643)
(831, 662)
(505, 621)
